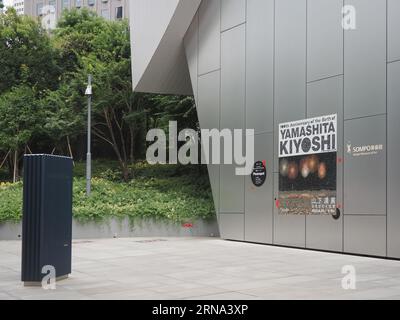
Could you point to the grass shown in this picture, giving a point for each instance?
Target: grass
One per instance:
(163, 192)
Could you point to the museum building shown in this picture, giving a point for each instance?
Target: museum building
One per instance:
(323, 100)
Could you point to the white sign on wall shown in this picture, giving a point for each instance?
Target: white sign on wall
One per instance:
(309, 136)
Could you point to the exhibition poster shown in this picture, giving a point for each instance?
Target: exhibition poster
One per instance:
(308, 166)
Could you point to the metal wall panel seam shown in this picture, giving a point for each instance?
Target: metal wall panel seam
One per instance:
(273, 126)
(245, 113)
(387, 129)
(366, 117)
(306, 105)
(219, 109)
(263, 132)
(206, 73)
(235, 26)
(343, 110)
(326, 78)
(365, 215)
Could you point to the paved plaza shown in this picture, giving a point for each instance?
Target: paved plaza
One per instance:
(202, 268)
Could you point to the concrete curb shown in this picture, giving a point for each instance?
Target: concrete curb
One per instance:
(115, 228)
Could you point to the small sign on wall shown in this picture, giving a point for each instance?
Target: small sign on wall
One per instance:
(259, 173)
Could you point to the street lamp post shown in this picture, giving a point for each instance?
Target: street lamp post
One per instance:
(88, 93)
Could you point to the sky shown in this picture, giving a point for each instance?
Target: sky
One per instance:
(7, 3)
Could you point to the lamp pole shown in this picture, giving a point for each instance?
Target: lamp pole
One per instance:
(89, 137)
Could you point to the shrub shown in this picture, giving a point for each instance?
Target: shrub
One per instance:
(160, 192)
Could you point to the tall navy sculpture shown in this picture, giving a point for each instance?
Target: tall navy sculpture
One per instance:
(47, 217)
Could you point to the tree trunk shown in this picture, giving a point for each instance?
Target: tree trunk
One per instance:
(5, 159)
(122, 163)
(70, 150)
(132, 144)
(10, 166)
(15, 173)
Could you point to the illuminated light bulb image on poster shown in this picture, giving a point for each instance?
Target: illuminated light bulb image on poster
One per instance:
(308, 166)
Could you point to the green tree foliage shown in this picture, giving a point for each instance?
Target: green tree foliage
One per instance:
(76, 36)
(26, 54)
(102, 48)
(173, 108)
(53, 70)
(21, 119)
(43, 109)
(29, 65)
(63, 114)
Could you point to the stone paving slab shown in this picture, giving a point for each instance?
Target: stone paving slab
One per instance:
(202, 268)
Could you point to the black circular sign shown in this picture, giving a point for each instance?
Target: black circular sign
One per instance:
(259, 174)
(337, 215)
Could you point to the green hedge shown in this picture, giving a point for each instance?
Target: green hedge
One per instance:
(173, 193)
(10, 202)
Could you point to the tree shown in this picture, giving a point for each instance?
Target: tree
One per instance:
(76, 36)
(167, 108)
(64, 118)
(42, 85)
(29, 65)
(21, 119)
(181, 109)
(118, 112)
(26, 54)
(102, 48)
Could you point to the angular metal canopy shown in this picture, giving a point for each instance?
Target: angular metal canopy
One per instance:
(157, 31)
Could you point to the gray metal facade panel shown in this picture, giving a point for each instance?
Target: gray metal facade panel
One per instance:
(365, 235)
(233, 13)
(393, 160)
(365, 175)
(290, 57)
(248, 77)
(259, 201)
(290, 63)
(393, 30)
(209, 112)
(232, 112)
(232, 226)
(209, 36)
(233, 78)
(323, 98)
(324, 233)
(208, 100)
(231, 190)
(289, 230)
(326, 97)
(191, 43)
(365, 60)
(260, 65)
(324, 39)
(214, 176)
